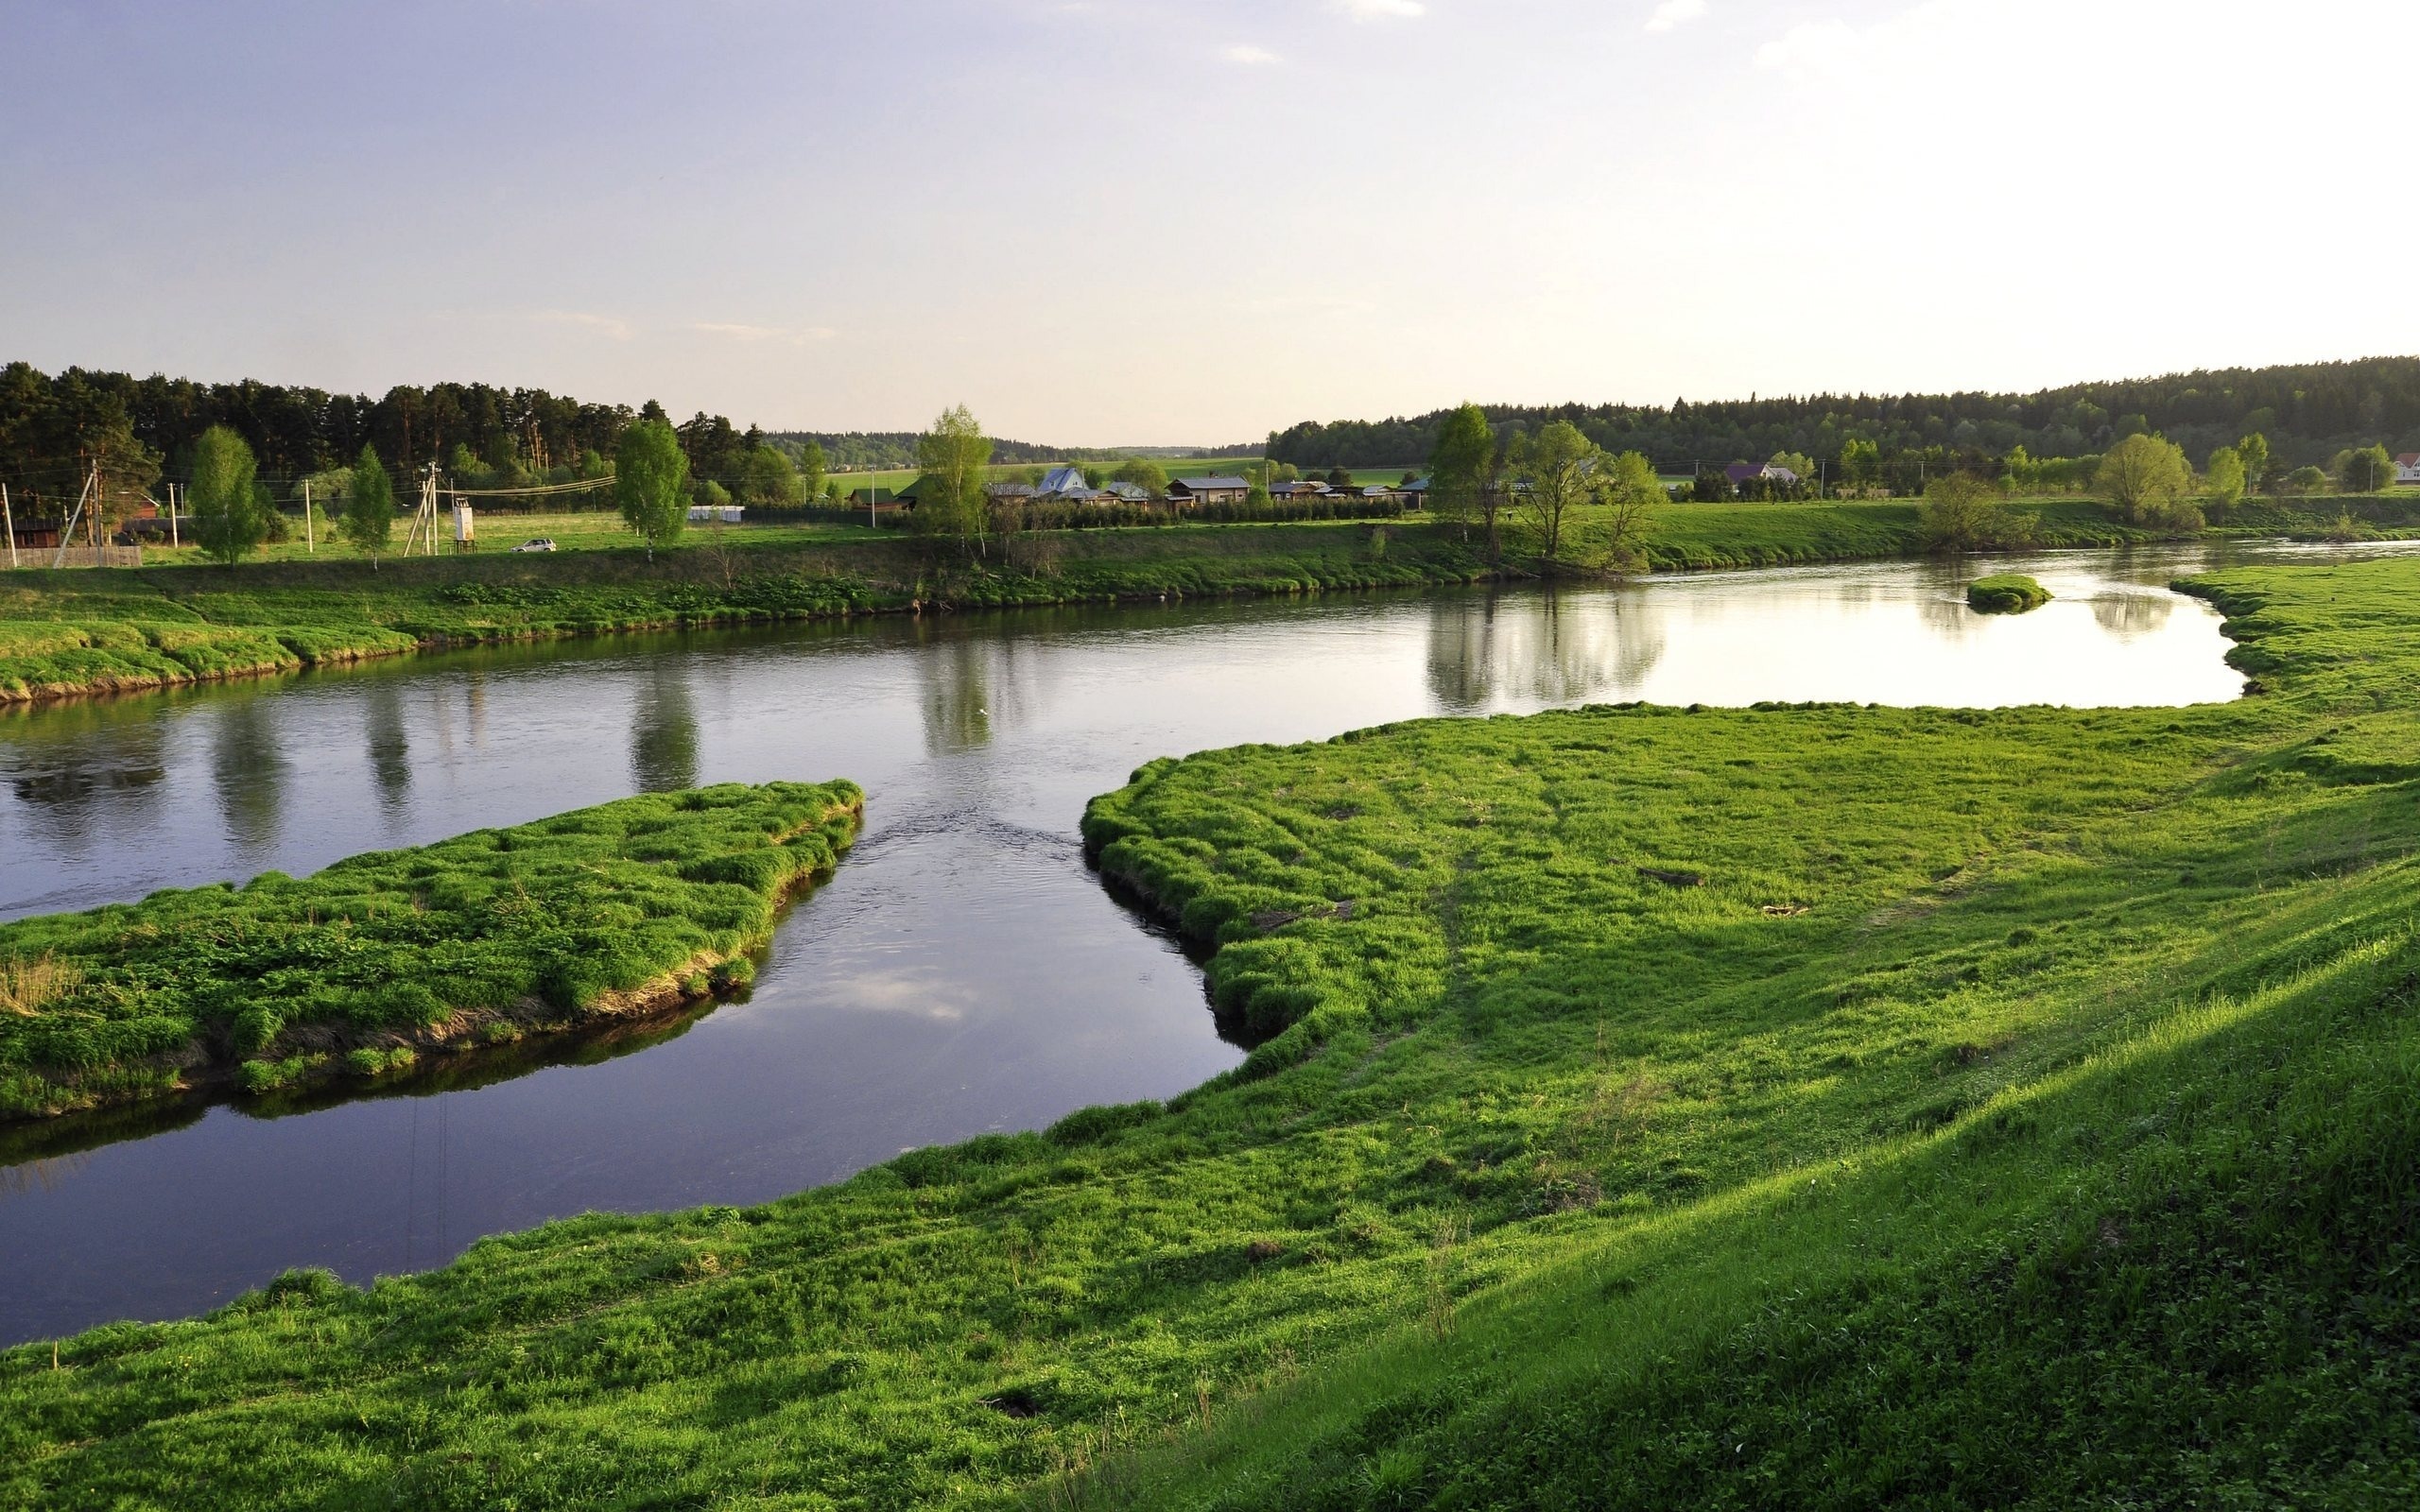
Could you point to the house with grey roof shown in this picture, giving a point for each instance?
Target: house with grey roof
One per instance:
(1064, 482)
(1216, 490)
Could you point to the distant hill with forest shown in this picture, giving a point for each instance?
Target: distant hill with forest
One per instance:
(52, 426)
(2308, 411)
(857, 451)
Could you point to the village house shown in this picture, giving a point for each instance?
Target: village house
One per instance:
(1065, 484)
(1218, 489)
(2407, 466)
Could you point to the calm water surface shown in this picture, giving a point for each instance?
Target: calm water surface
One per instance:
(962, 972)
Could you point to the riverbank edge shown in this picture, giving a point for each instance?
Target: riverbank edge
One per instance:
(1129, 579)
(320, 1053)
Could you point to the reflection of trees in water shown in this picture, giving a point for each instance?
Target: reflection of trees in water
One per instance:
(45, 1175)
(75, 763)
(249, 771)
(2128, 615)
(1541, 647)
(956, 672)
(1948, 618)
(390, 762)
(663, 730)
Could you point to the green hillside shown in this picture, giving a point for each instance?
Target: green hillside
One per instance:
(1792, 1107)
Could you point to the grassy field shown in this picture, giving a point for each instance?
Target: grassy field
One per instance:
(1794, 1107)
(380, 960)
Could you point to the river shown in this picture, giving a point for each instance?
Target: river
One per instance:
(962, 972)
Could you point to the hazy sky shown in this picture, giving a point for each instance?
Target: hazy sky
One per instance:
(1131, 222)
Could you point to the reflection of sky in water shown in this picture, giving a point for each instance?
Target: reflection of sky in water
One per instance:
(963, 971)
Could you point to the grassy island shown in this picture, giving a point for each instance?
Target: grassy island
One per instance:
(2006, 593)
(1795, 1105)
(363, 967)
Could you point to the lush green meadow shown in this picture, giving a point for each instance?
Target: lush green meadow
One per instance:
(1790, 1106)
(363, 967)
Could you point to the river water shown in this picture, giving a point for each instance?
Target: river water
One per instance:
(962, 972)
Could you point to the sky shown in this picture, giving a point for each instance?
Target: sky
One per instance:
(1127, 222)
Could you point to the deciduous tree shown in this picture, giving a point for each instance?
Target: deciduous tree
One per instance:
(2365, 470)
(1966, 511)
(956, 457)
(2254, 450)
(811, 468)
(2223, 480)
(651, 482)
(1144, 473)
(767, 480)
(1462, 474)
(229, 519)
(1556, 468)
(1630, 491)
(369, 516)
(2150, 481)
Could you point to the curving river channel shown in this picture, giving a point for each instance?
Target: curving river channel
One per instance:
(962, 972)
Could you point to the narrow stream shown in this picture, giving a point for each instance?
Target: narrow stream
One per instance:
(963, 972)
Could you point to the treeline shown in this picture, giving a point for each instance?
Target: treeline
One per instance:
(2309, 412)
(861, 451)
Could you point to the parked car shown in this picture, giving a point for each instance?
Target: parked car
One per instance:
(536, 543)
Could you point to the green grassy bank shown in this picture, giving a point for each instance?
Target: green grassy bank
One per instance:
(90, 631)
(365, 967)
(1790, 1106)
(73, 632)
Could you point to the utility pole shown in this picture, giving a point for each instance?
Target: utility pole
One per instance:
(68, 531)
(8, 522)
(172, 517)
(309, 546)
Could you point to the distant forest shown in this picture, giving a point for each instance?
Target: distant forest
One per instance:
(856, 451)
(142, 430)
(2308, 411)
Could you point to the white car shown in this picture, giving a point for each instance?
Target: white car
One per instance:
(536, 543)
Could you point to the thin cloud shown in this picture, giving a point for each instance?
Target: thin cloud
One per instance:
(1248, 55)
(604, 324)
(1673, 13)
(1381, 10)
(796, 335)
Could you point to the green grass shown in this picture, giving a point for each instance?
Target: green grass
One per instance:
(380, 960)
(70, 632)
(2006, 593)
(1795, 1105)
(65, 633)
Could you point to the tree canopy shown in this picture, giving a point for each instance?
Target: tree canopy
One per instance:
(956, 456)
(651, 482)
(2148, 479)
(230, 517)
(369, 517)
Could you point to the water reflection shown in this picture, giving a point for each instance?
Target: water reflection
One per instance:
(390, 746)
(247, 769)
(664, 731)
(954, 677)
(1543, 648)
(64, 787)
(2128, 616)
